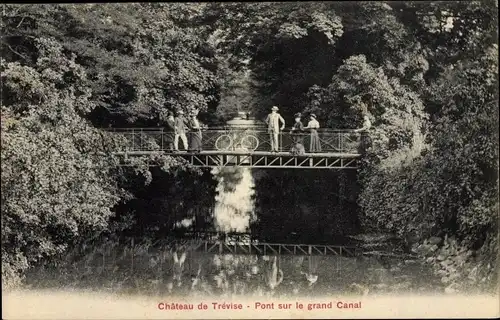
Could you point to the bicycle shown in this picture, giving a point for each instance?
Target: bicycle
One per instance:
(226, 142)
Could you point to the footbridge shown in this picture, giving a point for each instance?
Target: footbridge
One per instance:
(244, 147)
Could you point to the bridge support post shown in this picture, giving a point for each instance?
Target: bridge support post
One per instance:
(162, 134)
(133, 139)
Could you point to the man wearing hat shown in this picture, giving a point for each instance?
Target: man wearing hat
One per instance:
(273, 127)
(180, 130)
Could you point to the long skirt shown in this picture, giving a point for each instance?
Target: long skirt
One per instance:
(365, 143)
(315, 145)
(168, 140)
(195, 141)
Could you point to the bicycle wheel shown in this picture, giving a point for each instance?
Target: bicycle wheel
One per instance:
(224, 142)
(250, 142)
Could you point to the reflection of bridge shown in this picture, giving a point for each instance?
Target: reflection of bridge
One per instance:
(250, 147)
(228, 247)
(245, 243)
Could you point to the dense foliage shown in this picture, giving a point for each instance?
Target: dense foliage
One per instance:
(55, 185)
(67, 69)
(426, 74)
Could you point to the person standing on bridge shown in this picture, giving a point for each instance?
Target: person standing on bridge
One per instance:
(367, 124)
(195, 134)
(313, 126)
(273, 127)
(170, 129)
(365, 139)
(180, 131)
(297, 136)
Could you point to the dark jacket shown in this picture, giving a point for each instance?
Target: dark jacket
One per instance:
(170, 125)
(298, 127)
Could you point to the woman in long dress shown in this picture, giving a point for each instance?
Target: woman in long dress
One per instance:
(195, 134)
(297, 136)
(365, 138)
(313, 126)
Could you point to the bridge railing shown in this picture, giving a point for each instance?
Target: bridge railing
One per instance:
(240, 140)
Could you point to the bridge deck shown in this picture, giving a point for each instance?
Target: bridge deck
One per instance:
(257, 159)
(239, 153)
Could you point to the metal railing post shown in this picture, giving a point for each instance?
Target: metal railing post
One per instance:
(281, 141)
(133, 140)
(141, 140)
(340, 141)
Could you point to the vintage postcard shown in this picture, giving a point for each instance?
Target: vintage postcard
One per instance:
(250, 160)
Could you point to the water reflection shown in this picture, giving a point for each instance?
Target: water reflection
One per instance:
(228, 275)
(163, 270)
(179, 270)
(234, 200)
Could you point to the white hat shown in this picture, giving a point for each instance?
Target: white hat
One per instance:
(274, 108)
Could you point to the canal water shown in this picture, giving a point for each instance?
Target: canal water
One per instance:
(143, 267)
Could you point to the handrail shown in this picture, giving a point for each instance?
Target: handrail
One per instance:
(223, 128)
(253, 139)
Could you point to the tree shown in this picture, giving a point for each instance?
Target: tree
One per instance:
(142, 59)
(275, 41)
(452, 187)
(56, 186)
